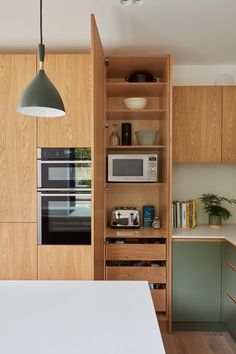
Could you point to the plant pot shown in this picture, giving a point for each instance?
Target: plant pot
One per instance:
(215, 221)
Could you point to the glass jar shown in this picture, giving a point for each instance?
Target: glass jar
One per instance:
(114, 138)
(156, 223)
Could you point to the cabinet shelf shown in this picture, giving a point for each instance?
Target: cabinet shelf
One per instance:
(142, 232)
(125, 114)
(135, 147)
(121, 89)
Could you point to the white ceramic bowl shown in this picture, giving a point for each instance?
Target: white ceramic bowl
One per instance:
(146, 137)
(135, 102)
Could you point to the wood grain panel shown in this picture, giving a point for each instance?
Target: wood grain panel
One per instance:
(159, 299)
(151, 274)
(98, 150)
(71, 74)
(17, 142)
(18, 251)
(229, 125)
(142, 252)
(197, 124)
(65, 263)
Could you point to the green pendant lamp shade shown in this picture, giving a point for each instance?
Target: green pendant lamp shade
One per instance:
(41, 98)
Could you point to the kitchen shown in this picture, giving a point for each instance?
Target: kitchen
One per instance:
(80, 78)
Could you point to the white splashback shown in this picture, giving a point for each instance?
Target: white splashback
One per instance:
(191, 180)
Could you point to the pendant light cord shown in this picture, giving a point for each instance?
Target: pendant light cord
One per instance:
(41, 45)
(41, 22)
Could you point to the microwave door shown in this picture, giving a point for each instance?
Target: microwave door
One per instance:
(126, 169)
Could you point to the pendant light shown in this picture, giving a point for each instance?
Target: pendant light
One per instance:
(41, 98)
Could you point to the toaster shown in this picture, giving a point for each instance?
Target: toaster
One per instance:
(125, 217)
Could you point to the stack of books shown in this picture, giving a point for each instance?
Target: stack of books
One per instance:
(184, 214)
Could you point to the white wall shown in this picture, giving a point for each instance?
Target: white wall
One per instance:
(200, 74)
(191, 180)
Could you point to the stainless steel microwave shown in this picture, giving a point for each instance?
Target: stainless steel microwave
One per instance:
(132, 168)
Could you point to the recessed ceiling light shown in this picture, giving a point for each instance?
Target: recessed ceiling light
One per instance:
(125, 2)
(138, 2)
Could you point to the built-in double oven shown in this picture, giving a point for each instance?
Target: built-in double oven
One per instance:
(64, 196)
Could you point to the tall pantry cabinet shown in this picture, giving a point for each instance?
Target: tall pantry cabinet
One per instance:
(18, 239)
(143, 254)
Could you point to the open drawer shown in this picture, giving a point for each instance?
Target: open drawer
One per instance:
(142, 252)
(151, 274)
(159, 299)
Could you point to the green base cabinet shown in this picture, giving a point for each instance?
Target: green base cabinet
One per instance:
(197, 282)
(229, 288)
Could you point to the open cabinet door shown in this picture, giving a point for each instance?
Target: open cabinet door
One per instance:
(98, 150)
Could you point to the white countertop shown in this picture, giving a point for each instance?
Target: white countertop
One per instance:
(78, 317)
(226, 232)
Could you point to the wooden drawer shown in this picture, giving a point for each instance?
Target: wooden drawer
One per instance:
(135, 252)
(159, 299)
(151, 274)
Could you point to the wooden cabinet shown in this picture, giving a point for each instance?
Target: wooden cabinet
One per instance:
(229, 288)
(71, 74)
(197, 124)
(65, 263)
(148, 257)
(17, 142)
(196, 282)
(18, 251)
(229, 124)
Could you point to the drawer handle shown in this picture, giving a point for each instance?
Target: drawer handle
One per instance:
(231, 265)
(231, 297)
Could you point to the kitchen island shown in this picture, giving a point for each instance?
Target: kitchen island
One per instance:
(72, 317)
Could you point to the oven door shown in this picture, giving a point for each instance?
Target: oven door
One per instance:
(64, 218)
(62, 174)
(127, 168)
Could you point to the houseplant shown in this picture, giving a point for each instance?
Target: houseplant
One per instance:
(214, 206)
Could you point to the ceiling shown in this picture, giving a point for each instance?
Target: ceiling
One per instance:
(194, 31)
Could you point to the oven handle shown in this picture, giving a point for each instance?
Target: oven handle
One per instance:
(65, 161)
(80, 196)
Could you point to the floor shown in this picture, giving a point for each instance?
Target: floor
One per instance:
(199, 343)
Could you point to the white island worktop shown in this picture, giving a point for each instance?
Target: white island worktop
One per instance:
(78, 317)
(226, 232)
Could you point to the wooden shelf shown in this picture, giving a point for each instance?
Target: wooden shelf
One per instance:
(143, 232)
(135, 147)
(130, 89)
(126, 114)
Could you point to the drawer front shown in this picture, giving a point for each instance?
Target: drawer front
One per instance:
(229, 278)
(230, 254)
(159, 299)
(151, 274)
(135, 252)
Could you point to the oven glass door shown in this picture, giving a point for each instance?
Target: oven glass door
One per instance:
(61, 174)
(65, 219)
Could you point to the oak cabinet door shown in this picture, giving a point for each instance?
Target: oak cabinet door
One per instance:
(71, 74)
(65, 262)
(98, 150)
(18, 251)
(229, 125)
(197, 124)
(17, 141)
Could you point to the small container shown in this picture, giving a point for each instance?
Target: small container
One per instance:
(148, 215)
(114, 138)
(126, 133)
(156, 223)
